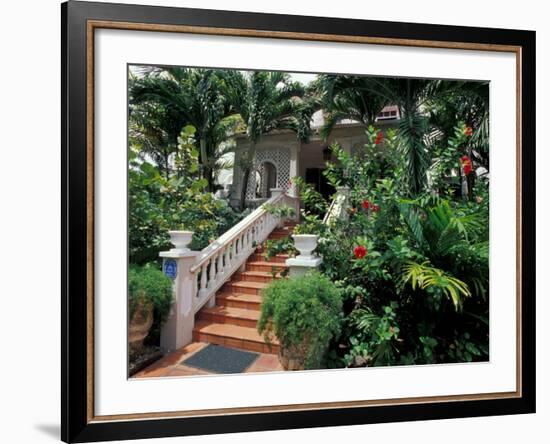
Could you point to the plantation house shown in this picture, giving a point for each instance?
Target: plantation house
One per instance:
(280, 156)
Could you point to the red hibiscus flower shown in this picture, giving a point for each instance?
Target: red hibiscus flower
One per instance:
(360, 251)
(365, 204)
(468, 131)
(466, 163)
(379, 137)
(375, 208)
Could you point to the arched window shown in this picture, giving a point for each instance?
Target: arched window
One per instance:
(268, 179)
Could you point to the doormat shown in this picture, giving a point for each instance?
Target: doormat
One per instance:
(220, 359)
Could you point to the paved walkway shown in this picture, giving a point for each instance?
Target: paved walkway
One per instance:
(173, 365)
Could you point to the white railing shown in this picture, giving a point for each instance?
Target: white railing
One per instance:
(216, 263)
(338, 208)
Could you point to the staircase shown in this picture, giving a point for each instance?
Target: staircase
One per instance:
(232, 321)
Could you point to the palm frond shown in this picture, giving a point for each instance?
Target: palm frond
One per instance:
(424, 276)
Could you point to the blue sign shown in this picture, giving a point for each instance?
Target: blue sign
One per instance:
(170, 268)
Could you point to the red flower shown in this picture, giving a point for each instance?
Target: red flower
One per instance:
(375, 208)
(365, 204)
(468, 131)
(379, 137)
(466, 163)
(360, 251)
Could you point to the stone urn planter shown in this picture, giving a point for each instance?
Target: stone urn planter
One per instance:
(305, 244)
(141, 322)
(181, 239)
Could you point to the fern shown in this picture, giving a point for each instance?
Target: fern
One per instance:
(424, 276)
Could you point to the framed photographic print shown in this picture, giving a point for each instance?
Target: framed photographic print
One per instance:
(275, 221)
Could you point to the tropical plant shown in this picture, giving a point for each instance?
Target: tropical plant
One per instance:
(414, 97)
(312, 201)
(310, 224)
(274, 247)
(469, 103)
(158, 204)
(153, 133)
(377, 159)
(266, 101)
(375, 340)
(191, 97)
(424, 276)
(413, 272)
(305, 314)
(147, 285)
(343, 97)
(280, 211)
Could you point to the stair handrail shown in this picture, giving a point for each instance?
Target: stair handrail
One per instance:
(339, 206)
(330, 211)
(217, 262)
(210, 250)
(200, 274)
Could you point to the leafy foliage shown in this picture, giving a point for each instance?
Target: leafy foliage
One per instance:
(148, 285)
(418, 285)
(181, 96)
(345, 97)
(424, 277)
(311, 200)
(266, 101)
(158, 204)
(274, 247)
(405, 278)
(304, 313)
(280, 211)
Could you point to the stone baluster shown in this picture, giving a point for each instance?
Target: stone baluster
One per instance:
(204, 277)
(220, 267)
(212, 275)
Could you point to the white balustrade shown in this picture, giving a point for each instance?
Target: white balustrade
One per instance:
(201, 273)
(229, 252)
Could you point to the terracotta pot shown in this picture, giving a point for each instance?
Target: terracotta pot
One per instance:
(140, 325)
(291, 359)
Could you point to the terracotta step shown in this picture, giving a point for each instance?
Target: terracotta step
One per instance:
(285, 229)
(282, 232)
(244, 287)
(265, 266)
(234, 336)
(230, 315)
(256, 276)
(239, 300)
(278, 236)
(278, 258)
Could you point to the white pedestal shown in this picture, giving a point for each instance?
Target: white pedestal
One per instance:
(300, 265)
(177, 331)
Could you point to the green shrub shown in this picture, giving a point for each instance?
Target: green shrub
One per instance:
(273, 247)
(312, 201)
(304, 313)
(414, 272)
(149, 285)
(280, 211)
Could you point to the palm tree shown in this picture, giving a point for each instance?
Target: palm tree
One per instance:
(468, 103)
(342, 97)
(197, 97)
(154, 130)
(413, 97)
(266, 101)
